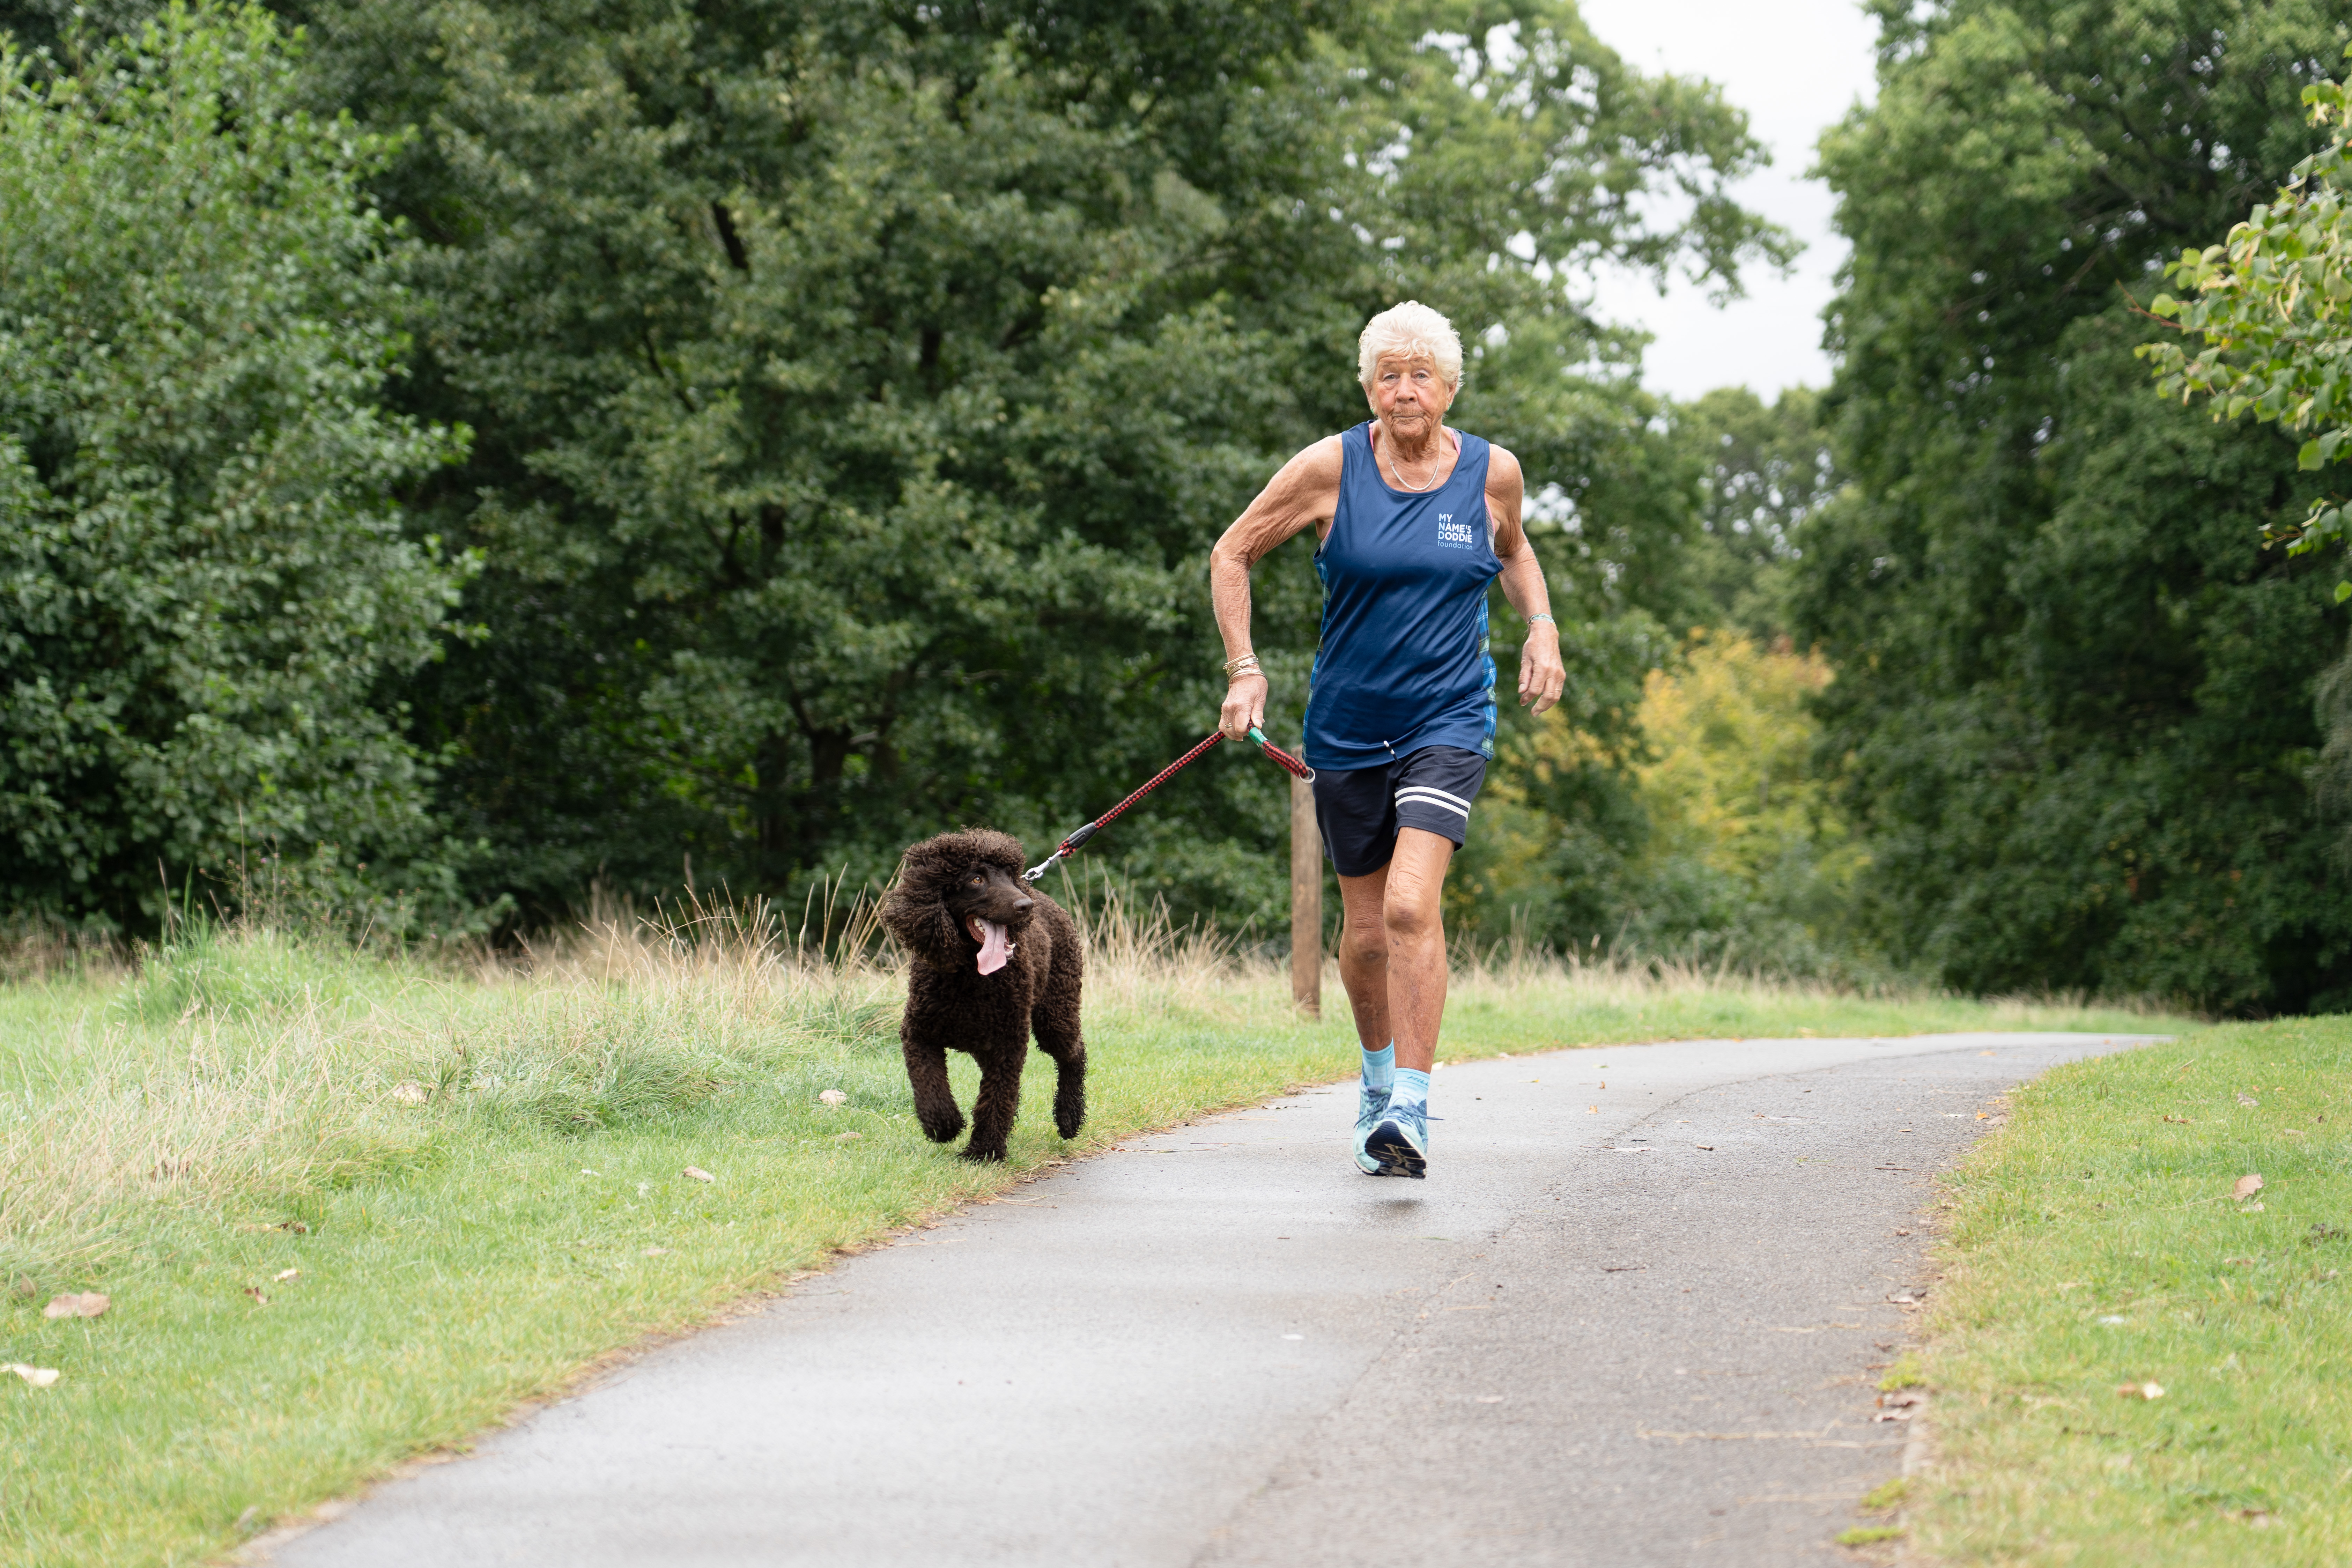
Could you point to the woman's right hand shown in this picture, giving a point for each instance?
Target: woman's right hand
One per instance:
(1245, 706)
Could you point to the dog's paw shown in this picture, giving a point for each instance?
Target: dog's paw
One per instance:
(943, 1130)
(983, 1156)
(1067, 1120)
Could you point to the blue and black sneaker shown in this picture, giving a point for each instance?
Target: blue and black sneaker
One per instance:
(1399, 1144)
(1371, 1105)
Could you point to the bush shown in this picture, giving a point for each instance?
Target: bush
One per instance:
(203, 581)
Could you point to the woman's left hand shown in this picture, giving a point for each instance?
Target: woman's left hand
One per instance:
(1542, 678)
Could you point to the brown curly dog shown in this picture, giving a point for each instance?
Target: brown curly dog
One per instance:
(992, 959)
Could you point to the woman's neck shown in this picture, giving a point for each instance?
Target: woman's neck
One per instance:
(1430, 445)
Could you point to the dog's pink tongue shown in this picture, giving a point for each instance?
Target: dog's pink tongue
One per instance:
(994, 948)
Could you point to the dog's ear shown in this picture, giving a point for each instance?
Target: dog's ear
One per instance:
(916, 912)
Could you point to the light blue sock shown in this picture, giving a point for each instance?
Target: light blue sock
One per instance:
(1412, 1088)
(1379, 1067)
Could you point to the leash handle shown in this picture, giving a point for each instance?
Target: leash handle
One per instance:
(1288, 762)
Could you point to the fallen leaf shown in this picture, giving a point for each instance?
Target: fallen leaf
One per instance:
(283, 1275)
(1981, 1116)
(699, 1174)
(411, 1093)
(88, 1304)
(833, 1097)
(38, 1376)
(847, 1137)
(2254, 1207)
(2183, 1119)
(1902, 1233)
(2142, 1391)
(657, 1252)
(2248, 1186)
(2247, 1100)
(1591, 1110)
(258, 1299)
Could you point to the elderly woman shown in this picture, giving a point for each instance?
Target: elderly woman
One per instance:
(1415, 520)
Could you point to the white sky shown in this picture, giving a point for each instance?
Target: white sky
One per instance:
(1795, 65)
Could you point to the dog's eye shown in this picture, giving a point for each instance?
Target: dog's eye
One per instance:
(977, 880)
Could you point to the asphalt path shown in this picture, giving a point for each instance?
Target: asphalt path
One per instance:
(1632, 1318)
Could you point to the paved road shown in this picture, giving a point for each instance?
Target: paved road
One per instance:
(1586, 1340)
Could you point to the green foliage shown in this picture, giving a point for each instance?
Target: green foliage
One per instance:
(2273, 304)
(204, 583)
(1748, 858)
(859, 390)
(1767, 470)
(2071, 713)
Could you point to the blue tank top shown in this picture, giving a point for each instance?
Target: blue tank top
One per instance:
(1403, 661)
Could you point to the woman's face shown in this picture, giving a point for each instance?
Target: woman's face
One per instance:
(1408, 395)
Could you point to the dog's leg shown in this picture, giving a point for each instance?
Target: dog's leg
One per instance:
(999, 1102)
(927, 1072)
(1056, 1021)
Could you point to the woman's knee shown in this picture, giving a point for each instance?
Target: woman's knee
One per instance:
(1361, 945)
(1411, 919)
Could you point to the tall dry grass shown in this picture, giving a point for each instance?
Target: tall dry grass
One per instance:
(239, 1069)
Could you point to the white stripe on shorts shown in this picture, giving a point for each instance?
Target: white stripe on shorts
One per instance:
(1425, 795)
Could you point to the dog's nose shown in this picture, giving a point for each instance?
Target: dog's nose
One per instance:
(1023, 906)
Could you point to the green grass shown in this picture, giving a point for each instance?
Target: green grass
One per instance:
(477, 1177)
(2095, 1244)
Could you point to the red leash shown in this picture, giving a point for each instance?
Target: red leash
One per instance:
(1069, 846)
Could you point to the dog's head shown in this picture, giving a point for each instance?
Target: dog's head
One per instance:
(960, 899)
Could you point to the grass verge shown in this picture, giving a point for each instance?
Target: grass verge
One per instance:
(351, 1210)
(2096, 1253)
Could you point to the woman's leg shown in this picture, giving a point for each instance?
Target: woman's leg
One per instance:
(1364, 955)
(1392, 948)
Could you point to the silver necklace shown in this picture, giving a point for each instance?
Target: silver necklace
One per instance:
(1398, 469)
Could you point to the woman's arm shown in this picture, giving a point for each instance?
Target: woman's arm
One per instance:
(1542, 677)
(1303, 496)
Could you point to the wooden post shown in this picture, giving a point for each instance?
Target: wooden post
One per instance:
(1306, 902)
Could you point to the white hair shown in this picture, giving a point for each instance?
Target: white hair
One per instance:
(1414, 329)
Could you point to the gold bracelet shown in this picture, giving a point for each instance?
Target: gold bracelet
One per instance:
(1239, 660)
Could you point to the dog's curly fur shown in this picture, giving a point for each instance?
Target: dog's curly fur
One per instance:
(942, 883)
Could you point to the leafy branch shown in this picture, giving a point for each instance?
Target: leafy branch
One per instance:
(2273, 305)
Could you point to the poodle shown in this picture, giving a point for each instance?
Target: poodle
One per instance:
(992, 959)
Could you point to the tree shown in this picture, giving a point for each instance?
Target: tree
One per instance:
(207, 585)
(2273, 304)
(2072, 705)
(859, 389)
(1764, 472)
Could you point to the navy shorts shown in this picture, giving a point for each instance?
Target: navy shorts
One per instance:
(1360, 810)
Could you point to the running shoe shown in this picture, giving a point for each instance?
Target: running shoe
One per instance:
(1399, 1145)
(1369, 1105)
